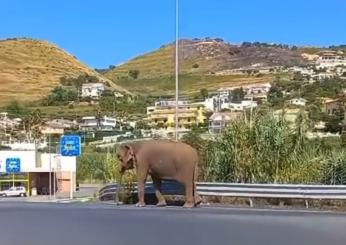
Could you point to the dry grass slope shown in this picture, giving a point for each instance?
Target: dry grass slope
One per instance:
(200, 61)
(30, 69)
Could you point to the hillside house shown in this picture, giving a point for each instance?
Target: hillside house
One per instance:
(242, 106)
(298, 101)
(93, 123)
(216, 103)
(332, 106)
(219, 120)
(329, 59)
(323, 75)
(57, 126)
(166, 103)
(92, 90)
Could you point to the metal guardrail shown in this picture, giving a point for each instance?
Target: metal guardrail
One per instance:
(332, 192)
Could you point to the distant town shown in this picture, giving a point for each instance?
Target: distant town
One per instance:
(213, 112)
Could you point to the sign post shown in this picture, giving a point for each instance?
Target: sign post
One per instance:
(12, 167)
(70, 145)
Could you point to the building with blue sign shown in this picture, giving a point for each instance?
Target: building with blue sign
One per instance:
(33, 170)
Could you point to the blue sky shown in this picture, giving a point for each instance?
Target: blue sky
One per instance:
(105, 32)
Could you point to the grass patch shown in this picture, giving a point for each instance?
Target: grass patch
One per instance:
(189, 84)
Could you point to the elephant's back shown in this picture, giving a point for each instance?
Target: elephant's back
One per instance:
(176, 150)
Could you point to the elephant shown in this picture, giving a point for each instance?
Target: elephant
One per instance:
(162, 160)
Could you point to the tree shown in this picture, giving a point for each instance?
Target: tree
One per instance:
(61, 96)
(275, 96)
(134, 74)
(298, 76)
(333, 124)
(142, 125)
(78, 81)
(238, 95)
(15, 109)
(204, 93)
(195, 66)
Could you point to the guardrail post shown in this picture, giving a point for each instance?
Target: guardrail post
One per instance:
(306, 204)
(251, 202)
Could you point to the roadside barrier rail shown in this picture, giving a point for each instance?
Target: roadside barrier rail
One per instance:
(307, 192)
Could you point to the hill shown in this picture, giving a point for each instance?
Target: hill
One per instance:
(30, 69)
(203, 63)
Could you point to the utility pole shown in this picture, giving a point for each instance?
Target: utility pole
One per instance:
(176, 66)
(50, 168)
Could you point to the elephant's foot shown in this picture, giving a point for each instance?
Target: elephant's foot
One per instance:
(189, 205)
(140, 204)
(161, 204)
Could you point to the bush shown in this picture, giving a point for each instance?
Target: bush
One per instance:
(60, 96)
(78, 81)
(134, 74)
(335, 168)
(15, 109)
(269, 151)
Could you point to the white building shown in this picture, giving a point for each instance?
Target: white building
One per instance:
(323, 75)
(307, 71)
(252, 91)
(34, 168)
(166, 103)
(92, 123)
(170, 103)
(329, 59)
(242, 106)
(92, 90)
(298, 101)
(8, 123)
(216, 103)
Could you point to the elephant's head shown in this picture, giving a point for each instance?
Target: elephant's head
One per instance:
(126, 157)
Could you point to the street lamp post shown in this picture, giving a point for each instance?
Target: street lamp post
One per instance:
(176, 66)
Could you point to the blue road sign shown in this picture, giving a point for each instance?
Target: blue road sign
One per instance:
(12, 165)
(70, 145)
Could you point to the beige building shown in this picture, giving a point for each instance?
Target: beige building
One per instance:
(188, 115)
(219, 120)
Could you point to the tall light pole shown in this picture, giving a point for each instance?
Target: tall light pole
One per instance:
(176, 66)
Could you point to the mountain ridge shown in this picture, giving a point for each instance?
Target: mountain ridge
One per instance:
(31, 68)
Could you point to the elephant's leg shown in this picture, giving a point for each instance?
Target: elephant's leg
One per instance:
(189, 202)
(160, 197)
(141, 179)
(198, 199)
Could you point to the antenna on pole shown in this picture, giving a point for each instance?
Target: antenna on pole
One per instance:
(176, 66)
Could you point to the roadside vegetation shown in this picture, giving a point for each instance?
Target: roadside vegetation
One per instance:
(270, 150)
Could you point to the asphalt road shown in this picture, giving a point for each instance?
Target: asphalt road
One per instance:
(103, 224)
